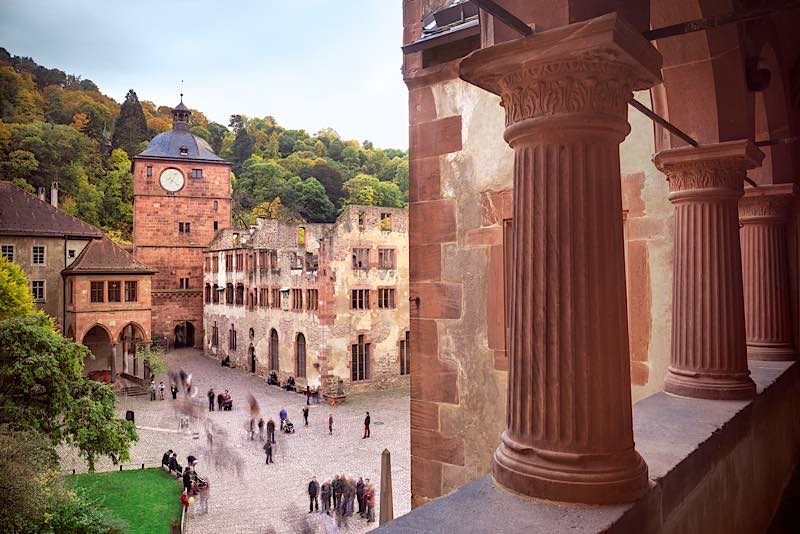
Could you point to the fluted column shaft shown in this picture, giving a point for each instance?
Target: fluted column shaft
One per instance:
(569, 435)
(763, 214)
(708, 357)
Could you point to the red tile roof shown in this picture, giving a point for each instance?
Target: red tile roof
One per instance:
(24, 214)
(103, 256)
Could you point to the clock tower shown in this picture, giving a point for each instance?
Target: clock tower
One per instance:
(181, 198)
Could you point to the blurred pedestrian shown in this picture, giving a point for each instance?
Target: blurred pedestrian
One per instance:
(313, 490)
(271, 430)
(211, 396)
(305, 414)
(330, 424)
(268, 450)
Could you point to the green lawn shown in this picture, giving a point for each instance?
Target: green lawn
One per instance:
(147, 499)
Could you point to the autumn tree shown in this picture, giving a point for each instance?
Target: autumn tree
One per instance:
(15, 297)
(130, 129)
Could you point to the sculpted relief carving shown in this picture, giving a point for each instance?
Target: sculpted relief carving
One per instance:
(764, 206)
(728, 174)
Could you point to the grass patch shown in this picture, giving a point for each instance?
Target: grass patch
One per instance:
(146, 499)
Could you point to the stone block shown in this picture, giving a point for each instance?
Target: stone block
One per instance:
(424, 415)
(425, 263)
(434, 380)
(434, 445)
(424, 338)
(424, 179)
(432, 222)
(434, 138)
(426, 478)
(437, 300)
(421, 105)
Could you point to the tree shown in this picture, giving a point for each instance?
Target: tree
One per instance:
(259, 181)
(130, 129)
(243, 143)
(42, 389)
(367, 190)
(307, 198)
(216, 133)
(15, 297)
(117, 189)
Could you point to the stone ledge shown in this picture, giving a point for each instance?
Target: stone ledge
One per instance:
(707, 471)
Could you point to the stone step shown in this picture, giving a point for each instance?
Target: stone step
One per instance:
(134, 391)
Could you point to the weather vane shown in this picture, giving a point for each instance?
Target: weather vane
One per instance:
(181, 90)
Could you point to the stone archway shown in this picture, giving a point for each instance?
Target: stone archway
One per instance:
(184, 335)
(131, 338)
(98, 340)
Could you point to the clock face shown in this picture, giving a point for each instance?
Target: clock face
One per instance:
(172, 180)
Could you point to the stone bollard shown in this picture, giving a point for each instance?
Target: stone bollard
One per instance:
(387, 510)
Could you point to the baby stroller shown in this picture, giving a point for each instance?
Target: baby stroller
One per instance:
(287, 427)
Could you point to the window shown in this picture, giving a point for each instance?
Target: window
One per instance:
(216, 225)
(131, 289)
(263, 297)
(405, 354)
(273, 261)
(37, 290)
(71, 291)
(7, 251)
(215, 294)
(229, 294)
(386, 222)
(208, 294)
(215, 335)
(312, 299)
(359, 299)
(295, 261)
(37, 255)
(229, 262)
(184, 283)
(214, 264)
(71, 253)
(297, 299)
(386, 258)
(275, 301)
(114, 291)
(149, 171)
(216, 206)
(197, 173)
(239, 294)
(232, 338)
(184, 227)
(300, 356)
(97, 291)
(273, 350)
(362, 219)
(386, 298)
(240, 262)
(359, 367)
(360, 258)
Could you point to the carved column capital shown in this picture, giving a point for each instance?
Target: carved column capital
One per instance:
(766, 203)
(718, 169)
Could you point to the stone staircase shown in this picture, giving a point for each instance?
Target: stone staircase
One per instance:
(134, 391)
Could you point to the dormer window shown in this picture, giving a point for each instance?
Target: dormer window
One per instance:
(184, 151)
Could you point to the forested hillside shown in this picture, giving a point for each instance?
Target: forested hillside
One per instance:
(59, 127)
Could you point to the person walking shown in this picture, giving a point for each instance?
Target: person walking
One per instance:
(152, 390)
(313, 489)
(308, 395)
(174, 390)
(161, 390)
(271, 430)
(220, 401)
(360, 496)
(268, 450)
(260, 429)
(366, 426)
(326, 496)
(330, 424)
(210, 396)
(305, 414)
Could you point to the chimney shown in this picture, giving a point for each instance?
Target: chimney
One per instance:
(42, 194)
(54, 194)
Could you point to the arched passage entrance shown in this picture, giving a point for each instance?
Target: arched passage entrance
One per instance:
(131, 338)
(273, 350)
(184, 335)
(252, 358)
(98, 340)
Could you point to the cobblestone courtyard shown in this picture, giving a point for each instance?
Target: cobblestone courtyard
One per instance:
(261, 497)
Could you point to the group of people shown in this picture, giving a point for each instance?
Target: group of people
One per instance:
(159, 389)
(340, 496)
(193, 485)
(224, 400)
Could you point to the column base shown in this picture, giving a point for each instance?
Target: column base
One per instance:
(778, 352)
(712, 387)
(570, 477)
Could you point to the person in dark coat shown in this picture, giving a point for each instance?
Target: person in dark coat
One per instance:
(366, 426)
(211, 400)
(271, 431)
(165, 459)
(330, 424)
(220, 400)
(305, 414)
(174, 390)
(326, 496)
(313, 489)
(268, 450)
(174, 465)
(187, 480)
(360, 496)
(260, 429)
(336, 493)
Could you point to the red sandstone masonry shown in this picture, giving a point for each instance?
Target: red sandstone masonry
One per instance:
(438, 300)
(424, 179)
(437, 446)
(432, 222)
(435, 138)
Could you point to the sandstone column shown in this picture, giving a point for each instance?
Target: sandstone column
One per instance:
(565, 92)
(113, 362)
(709, 358)
(763, 213)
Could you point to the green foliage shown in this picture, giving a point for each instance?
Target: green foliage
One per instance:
(131, 126)
(368, 190)
(42, 389)
(15, 297)
(117, 195)
(156, 359)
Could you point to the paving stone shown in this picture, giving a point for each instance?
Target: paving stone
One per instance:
(262, 496)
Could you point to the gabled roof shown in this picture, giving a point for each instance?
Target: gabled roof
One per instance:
(103, 256)
(24, 214)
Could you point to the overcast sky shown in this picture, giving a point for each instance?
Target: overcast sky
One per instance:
(309, 63)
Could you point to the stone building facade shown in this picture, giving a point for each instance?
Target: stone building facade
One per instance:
(182, 198)
(319, 302)
(461, 228)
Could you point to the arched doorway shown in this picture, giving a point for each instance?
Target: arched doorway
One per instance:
(300, 356)
(273, 350)
(131, 338)
(98, 340)
(252, 359)
(184, 335)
